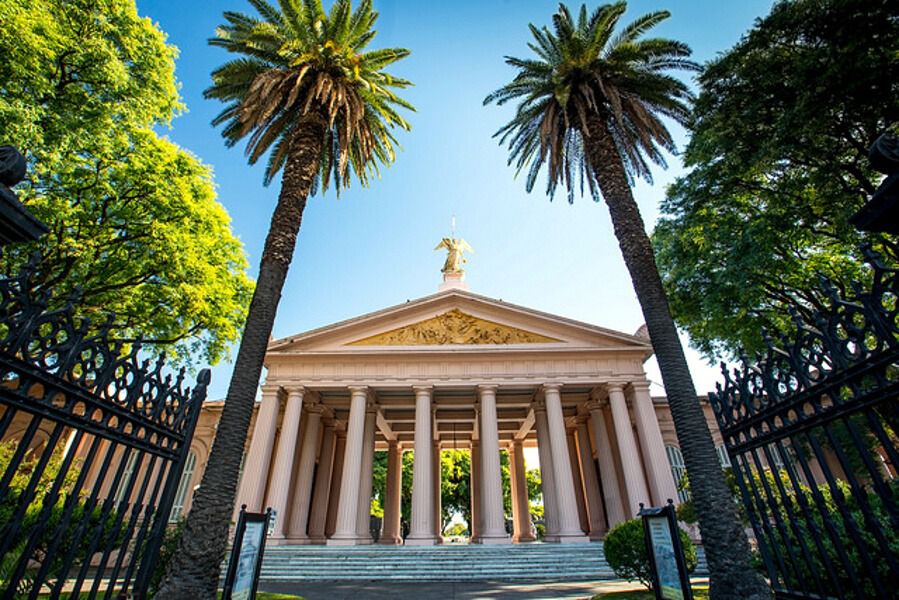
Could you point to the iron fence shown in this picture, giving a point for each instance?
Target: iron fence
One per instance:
(93, 439)
(811, 428)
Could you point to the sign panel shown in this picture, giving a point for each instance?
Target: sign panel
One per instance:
(246, 556)
(666, 557)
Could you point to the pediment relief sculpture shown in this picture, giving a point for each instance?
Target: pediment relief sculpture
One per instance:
(454, 327)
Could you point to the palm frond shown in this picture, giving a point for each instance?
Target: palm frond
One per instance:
(584, 80)
(296, 59)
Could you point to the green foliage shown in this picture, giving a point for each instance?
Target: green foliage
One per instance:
(805, 526)
(301, 61)
(586, 82)
(45, 505)
(133, 218)
(625, 551)
(457, 530)
(686, 511)
(170, 542)
(455, 484)
(779, 147)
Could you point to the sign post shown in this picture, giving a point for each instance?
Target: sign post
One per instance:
(246, 555)
(666, 555)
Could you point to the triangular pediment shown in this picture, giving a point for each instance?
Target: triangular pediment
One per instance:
(458, 320)
(454, 327)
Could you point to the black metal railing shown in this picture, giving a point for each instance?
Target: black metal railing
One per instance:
(811, 428)
(93, 439)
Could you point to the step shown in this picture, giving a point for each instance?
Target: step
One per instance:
(456, 562)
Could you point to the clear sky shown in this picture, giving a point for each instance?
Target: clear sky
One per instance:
(372, 247)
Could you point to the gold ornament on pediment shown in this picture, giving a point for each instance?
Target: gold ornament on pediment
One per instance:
(454, 327)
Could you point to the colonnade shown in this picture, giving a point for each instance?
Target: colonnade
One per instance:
(596, 467)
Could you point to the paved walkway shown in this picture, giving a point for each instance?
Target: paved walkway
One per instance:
(379, 590)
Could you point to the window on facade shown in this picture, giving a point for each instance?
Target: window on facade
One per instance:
(678, 470)
(126, 478)
(183, 487)
(776, 456)
(723, 458)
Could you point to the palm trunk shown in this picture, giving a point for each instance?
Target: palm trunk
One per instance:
(194, 570)
(725, 543)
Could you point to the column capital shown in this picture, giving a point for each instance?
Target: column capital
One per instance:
(423, 389)
(615, 386)
(487, 388)
(597, 404)
(314, 407)
(517, 444)
(539, 404)
(270, 388)
(371, 406)
(294, 391)
(552, 387)
(358, 390)
(640, 386)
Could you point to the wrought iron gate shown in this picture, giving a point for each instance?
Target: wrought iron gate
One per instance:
(93, 440)
(811, 428)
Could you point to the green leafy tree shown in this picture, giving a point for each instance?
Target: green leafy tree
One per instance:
(455, 485)
(590, 110)
(133, 218)
(303, 90)
(780, 138)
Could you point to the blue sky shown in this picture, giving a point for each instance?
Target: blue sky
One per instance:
(372, 247)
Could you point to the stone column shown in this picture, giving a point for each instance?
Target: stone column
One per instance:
(595, 512)
(627, 448)
(345, 528)
(421, 532)
(547, 478)
(318, 515)
(661, 482)
(363, 517)
(302, 491)
(574, 461)
(569, 527)
(279, 486)
(438, 501)
(494, 531)
(391, 531)
(475, 492)
(614, 502)
(336, 477)
(255, 473)
(520, 507)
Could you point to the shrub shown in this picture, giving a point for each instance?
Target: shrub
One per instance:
(170, 543)
(625, 550)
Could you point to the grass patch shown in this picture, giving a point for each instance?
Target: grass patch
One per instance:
(699, 593)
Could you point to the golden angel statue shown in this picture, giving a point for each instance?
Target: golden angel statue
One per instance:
(454, 258)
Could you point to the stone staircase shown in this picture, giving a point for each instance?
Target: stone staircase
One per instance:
(450, 562)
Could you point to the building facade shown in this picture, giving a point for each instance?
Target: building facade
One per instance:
(453, 370)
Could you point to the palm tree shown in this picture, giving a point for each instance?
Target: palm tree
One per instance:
(305, 91)
(590, 109)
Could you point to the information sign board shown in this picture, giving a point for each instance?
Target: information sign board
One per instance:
(246, 555)
(666, 556)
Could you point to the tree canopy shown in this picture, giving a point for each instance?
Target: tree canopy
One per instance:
(133, 218)
(780, 138)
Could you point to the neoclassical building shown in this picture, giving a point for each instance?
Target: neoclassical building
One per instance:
(453, 370)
